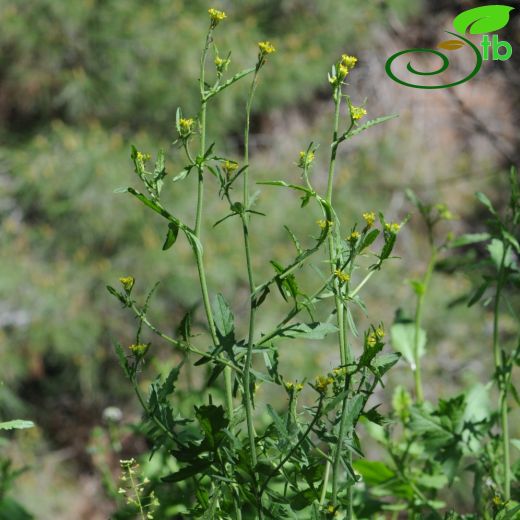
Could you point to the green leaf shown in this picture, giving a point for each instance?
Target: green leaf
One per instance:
(403, 340)
(384, 362)
(484, 19)
(374, 473)
(483, 198)
(171, 235)
(469, 238)
(496, 251)
(368, 124)
(308, 330)
(17, 424)
(223, 316)
(432, 481)
(369, 239)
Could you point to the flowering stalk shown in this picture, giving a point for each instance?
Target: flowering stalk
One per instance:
(265, 48)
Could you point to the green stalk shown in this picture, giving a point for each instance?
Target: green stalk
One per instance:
(502, 385)
(198, 220)
(248, 400)
(345, 354)
(419, 394)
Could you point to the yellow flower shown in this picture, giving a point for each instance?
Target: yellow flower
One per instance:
(143, 157)
(341, 371)
(380, 333)
(266, 48)
(342, 72)
(322, 383)
(324, 223)
(140, 349)
(230, 167)
(354, 236)
(357, 113)
(222, 64)
(348, 61)
(216, 16)
(371, 340)
(127, 282)
(393, 227)
(306, 159)
(341, 276)
(370, 218)
(298, 387)
(186, 126)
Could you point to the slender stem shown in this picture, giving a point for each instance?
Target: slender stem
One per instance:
(502, 378)
(419, 394)
(248, 399)
(325, 484)
(198, 220)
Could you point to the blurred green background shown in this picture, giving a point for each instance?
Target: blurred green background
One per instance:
(80, 81)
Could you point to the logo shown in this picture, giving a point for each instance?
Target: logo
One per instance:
(480, 20)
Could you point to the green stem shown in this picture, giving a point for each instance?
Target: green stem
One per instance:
(248, 399)
(325, 483)
(198, 220)
(345, 354)
(502, 383)
(419, 394)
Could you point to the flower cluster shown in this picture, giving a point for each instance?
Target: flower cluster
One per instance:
(369, 217)
(221, 64)
(339, 72)
(357, 113)
(322, 383)
(324, 223)
(229, 167)
(139, 350)
(266, 48)
(392, 227)
(341, 276)
(185, 127)
(306, 159)
(354, 236)
(127, 282)
(216, 16)
(293, 387)
(375, 336)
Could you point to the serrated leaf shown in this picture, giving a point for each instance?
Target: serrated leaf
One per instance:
(308, 330)
(369, 124)
(484, 19)
(17, 424)
(223, 316)
(403, 340)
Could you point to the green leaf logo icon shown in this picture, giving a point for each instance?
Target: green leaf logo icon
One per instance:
(483, 19)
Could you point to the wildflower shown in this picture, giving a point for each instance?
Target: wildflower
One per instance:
(393, 227)
(380, 333)
(322, 383)
(371, 340)
(185, 127)
(266, 48)
(341, 276)
(306, 159)
(229, 167)
(357, 112)
(290, 387)
(139, 349)
(127, 282)
(324, 223)
(348, 61)
(370, 218)
(497, 500)
(216, 16)
(354, 236)
(222, 64)
(340, 371)
(342, 72)
(143, 157)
